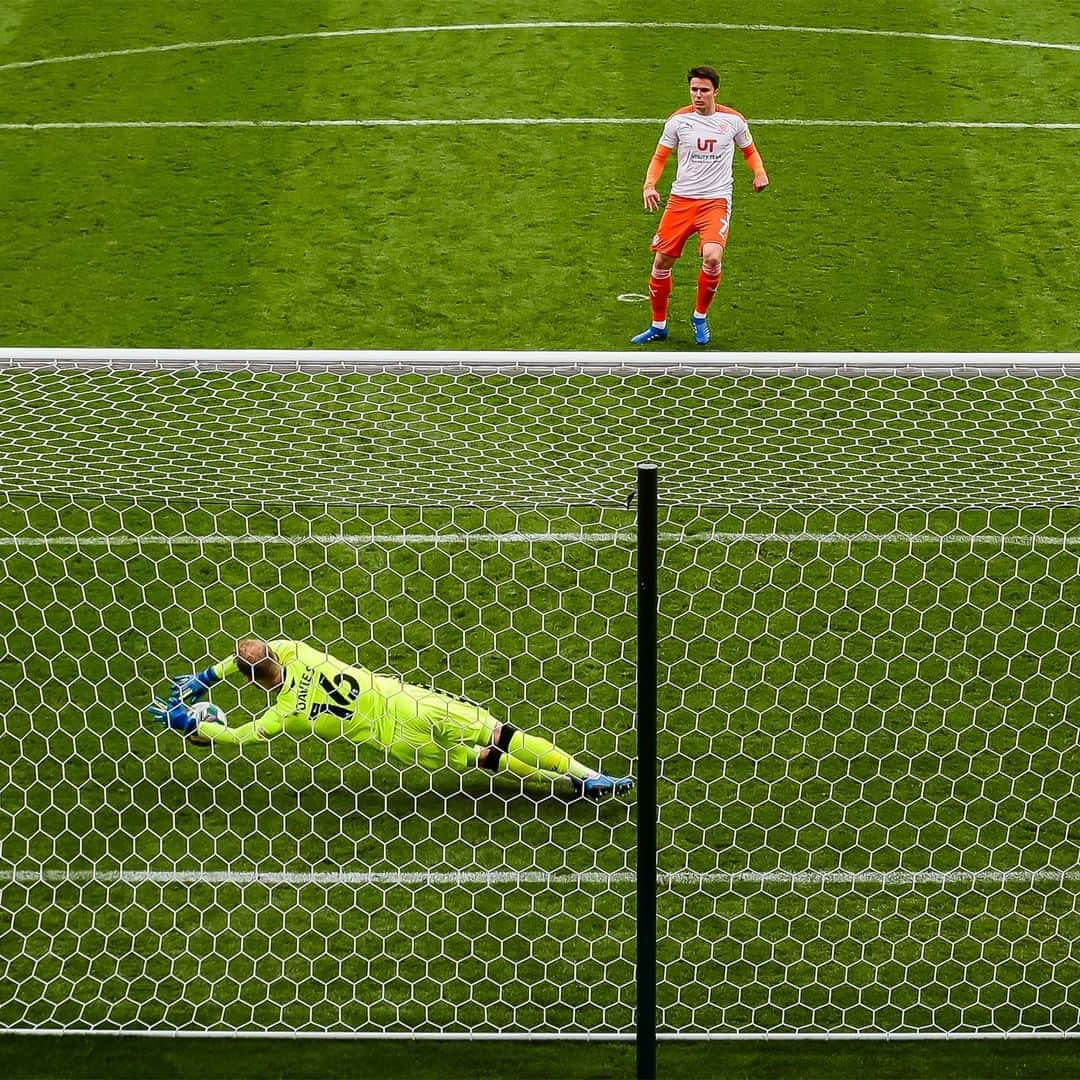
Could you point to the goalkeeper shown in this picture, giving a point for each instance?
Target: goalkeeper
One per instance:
(319, 695)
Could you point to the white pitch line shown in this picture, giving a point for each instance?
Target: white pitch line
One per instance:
(399, 539)
(522, 361)
(847, 539)
(511, 121)
(883, 879)
(374, 122)
(121, 540)
(380, 31)
(1007, 125)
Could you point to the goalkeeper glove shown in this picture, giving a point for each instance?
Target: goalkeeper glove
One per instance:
(173, 715)
(187, 689)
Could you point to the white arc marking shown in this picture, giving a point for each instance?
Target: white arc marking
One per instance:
(377, 31)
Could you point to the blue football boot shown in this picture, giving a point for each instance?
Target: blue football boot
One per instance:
(654, 333)
(600, 787)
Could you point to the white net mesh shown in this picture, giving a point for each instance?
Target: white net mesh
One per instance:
(869, 777)
(340, 433)
(868, 767)
(158, 886)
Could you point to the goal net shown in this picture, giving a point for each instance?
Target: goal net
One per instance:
(868, 684)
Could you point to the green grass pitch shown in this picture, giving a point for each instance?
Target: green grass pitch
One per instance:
(878, 706)
(895, 702)
(924, 239)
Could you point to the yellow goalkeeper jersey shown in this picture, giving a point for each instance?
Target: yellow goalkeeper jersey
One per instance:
(322, 696)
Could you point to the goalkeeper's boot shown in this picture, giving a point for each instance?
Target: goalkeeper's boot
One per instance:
(600, 787)
(654, 333)
(701, 330)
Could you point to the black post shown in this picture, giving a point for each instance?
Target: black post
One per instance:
(646, 778)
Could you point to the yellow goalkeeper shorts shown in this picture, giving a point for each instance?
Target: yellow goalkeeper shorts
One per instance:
(434, 729)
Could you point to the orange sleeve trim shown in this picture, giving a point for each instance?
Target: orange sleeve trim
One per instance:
(753, 159)
(656, 166)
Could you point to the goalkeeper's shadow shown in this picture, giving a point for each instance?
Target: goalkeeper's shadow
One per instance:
(477, 794)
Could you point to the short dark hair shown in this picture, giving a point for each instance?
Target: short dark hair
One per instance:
(705, 73)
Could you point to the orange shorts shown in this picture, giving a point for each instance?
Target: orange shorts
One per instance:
(709, 218)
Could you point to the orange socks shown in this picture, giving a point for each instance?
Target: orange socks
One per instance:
(707, 284)
(659, 295)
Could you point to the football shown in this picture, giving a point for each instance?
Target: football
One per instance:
(205, 710)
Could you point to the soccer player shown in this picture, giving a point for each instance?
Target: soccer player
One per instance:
(705, 135)
(316, 694)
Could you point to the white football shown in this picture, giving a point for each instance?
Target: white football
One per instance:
(204, 710)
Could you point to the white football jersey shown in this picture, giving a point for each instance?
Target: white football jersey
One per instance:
(706, 149)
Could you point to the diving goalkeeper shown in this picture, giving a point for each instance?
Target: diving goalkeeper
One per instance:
(318, 695)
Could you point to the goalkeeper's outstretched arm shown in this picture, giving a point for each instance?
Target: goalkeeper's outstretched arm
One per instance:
(255, 660)
(188, 689)
(180, 718)
(258, 663)
(265, 727)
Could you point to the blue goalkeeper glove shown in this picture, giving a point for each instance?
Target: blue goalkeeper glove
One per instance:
(173, 715)
(187, 689)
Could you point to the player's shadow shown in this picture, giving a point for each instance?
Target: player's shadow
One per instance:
(417, 807)
(429, 823)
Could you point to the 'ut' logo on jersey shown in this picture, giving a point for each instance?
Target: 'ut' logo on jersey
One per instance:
(708, 145)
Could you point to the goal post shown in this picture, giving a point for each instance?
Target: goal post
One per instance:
(866, 681)
(647, 725)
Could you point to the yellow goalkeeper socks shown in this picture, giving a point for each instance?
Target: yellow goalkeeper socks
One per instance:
(528, 772)
(542, 756)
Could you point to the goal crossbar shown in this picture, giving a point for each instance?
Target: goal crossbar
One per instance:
(344, 360)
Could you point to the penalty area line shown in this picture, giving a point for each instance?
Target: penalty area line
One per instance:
(887, 878)
(480, 539)
(512, 121)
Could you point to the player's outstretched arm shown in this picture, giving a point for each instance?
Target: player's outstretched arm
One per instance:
(650, 195)
(238, 736)
(265, 727)
(756, 166)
